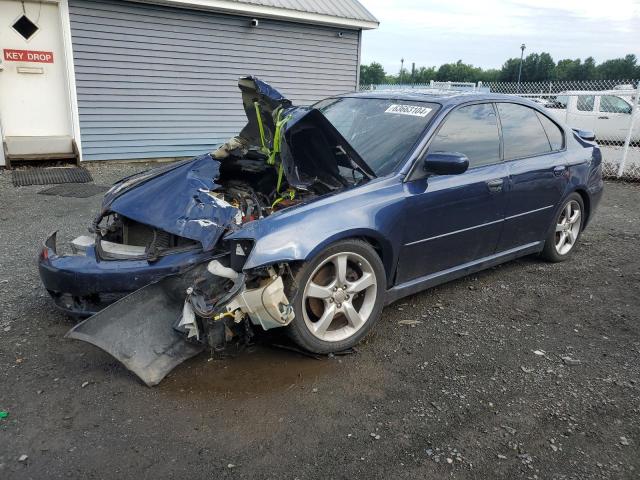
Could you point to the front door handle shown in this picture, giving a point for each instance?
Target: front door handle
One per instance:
(495, 185)
(603, 118)
(559, 170)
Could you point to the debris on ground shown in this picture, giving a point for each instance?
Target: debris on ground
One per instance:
(571, 362)
(411, 323)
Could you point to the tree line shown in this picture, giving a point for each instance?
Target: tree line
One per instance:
(535, 68)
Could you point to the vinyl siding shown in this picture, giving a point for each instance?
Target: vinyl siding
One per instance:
(155, 81)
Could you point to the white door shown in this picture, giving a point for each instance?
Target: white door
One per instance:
(614, 118)
(35, 113)
(582, 112)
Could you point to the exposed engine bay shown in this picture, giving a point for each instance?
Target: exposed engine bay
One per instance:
(285, 156)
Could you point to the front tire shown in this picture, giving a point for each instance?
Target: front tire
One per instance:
(337, 297)
(564, 236)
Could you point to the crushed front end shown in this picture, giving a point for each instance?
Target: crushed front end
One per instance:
(159, 245)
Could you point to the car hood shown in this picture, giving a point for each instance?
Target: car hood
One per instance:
(176, 199)
(261, 99)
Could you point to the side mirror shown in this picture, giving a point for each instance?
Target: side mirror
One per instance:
(444, 163)
(587, 135)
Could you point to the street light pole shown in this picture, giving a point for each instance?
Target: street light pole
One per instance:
(522, 47)
(401, 68)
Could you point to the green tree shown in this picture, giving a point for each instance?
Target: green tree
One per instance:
(372, 73)
(425, 75)
(458, 72)
(509, 70)
(619, 68)
(538, 68)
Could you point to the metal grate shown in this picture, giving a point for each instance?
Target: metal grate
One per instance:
(50, 176)
(76, 190)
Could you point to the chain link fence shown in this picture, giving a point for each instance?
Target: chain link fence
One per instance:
(607, 108)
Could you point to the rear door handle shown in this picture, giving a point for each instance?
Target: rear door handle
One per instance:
(495, 185)
(603, 118)
(559, 170)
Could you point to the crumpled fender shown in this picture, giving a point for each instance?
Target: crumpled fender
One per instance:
(300, 232)
(176, 200)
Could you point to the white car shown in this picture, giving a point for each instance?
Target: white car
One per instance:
(606, 113)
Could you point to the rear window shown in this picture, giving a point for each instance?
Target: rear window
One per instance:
(613, 104)
(522, 132)
(554, 132)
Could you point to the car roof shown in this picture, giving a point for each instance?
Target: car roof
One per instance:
(444, 97)
(617, 93)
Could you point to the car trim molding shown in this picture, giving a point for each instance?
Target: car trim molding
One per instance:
(530, 211)
(454, 232)
(478, 226)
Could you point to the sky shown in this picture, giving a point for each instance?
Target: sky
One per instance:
(487, 32)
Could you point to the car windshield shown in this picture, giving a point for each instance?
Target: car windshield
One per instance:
(382, 131)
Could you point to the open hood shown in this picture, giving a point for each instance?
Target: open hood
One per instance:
(312, 149)
(180, 199)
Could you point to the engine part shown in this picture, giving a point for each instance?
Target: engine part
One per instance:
(267, 305)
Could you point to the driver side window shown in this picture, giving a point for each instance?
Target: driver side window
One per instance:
(472, 131)
(612, 104)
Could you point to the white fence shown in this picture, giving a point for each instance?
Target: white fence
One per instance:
(607, 108)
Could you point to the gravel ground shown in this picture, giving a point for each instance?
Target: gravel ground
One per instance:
(463, 381)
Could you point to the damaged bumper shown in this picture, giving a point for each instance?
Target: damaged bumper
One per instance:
(159, 326)
(81, 284)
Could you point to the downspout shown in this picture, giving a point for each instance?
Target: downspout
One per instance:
(359, 59)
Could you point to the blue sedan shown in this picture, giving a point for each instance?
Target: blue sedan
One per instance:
(312, 219)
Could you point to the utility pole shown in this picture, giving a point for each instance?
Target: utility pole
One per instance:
(522, 47)
(401, 68)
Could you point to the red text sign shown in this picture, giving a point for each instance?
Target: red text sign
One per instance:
(27, 56)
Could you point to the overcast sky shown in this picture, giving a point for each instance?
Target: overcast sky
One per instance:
(487, 32)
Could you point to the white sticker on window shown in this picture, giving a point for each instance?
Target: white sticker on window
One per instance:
(413, 110)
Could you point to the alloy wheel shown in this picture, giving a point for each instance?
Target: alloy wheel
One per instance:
(339, 297)
(568, 227)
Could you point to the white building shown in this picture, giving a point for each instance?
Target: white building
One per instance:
(112, 79)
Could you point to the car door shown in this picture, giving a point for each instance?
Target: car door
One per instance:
(614, 117)
(450, 220)
(581, 113)
(533, 151)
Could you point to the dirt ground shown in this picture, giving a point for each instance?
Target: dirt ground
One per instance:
(461, 393)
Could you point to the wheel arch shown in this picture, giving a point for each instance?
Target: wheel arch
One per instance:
(586, 200)
(378, 242)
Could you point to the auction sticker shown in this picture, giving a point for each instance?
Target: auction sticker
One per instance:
(413, 110)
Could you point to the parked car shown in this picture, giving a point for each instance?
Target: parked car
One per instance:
(312, 219)
(606, 113)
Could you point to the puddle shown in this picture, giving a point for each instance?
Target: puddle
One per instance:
(259, 370)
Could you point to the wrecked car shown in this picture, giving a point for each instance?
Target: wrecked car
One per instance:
(313, 218)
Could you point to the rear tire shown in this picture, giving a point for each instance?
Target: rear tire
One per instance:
(566, 230)
(337, 297)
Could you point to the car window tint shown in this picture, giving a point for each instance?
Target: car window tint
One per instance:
(473, 131)
(586, 102)
(522, 132)
(612, 104)
(554, 133)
